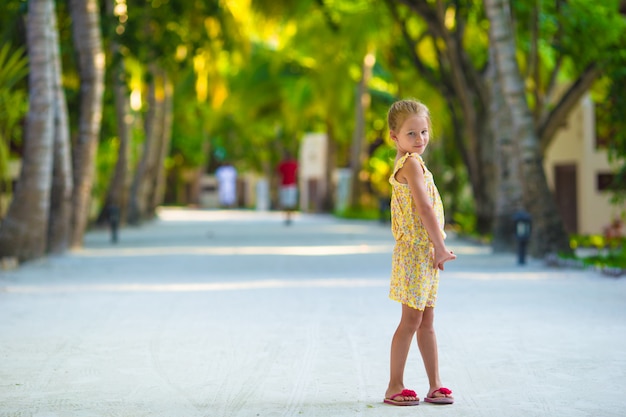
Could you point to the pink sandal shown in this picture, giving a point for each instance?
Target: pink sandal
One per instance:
(404, 393)
(440, 400)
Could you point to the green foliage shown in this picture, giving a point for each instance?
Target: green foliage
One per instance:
(105, 166)
(290, 88)
(193, 122)
(248, 123)
(280, 69)
(476, 36)
(13, 102)
(610, 121)
(380, 166)
(465, 223)
(587, 241)
(608, 252)
(580, 30)
(360, 213)
(13, 66)
(612, 259)
(596, 241)
(600, 24)
(11, 21)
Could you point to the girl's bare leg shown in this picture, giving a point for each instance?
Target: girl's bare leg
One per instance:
(400, 345)
(427, 342)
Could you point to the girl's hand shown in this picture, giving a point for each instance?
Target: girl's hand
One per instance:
(443, 256)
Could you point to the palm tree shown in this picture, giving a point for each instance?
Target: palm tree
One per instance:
(88, 43)
(117, 193)
(159, 180)
(463, 61)
(509, 192)
(536, 195)
(358, 154)
(24, 230)
(62, 183)
(144, 182)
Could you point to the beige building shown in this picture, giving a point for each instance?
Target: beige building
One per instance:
(579, 172)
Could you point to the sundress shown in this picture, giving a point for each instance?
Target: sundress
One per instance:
(414, 279)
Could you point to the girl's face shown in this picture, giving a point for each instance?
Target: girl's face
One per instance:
(412, 136)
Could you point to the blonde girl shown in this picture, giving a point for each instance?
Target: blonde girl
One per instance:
(420, 252)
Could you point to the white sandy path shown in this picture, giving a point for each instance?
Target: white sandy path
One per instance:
(211, 313)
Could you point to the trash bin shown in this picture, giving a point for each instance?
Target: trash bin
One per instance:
(209, 197)
(262, 195)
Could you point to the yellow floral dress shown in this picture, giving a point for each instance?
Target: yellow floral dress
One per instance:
(414, 280)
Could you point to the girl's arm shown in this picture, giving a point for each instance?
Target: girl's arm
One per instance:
(413, 174)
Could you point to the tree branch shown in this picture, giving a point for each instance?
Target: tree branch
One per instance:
(533, 61)
(422, 8)
(428, 73)
(329, 19)
(553, 120)
(459, 22)
(551, 87)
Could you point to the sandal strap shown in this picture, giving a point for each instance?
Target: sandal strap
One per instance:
(442, 390)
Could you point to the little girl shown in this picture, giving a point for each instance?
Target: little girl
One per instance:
(420, 252)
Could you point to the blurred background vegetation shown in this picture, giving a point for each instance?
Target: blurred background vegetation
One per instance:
(242, 81)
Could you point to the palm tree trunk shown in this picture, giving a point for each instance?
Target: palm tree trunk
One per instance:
(548, 231)
(142, 188)
(358, 154)
(59, 231)
(509, 191)
(23, 231)
(117, 194)
(88, 42)
(164, 148)
(331, 161)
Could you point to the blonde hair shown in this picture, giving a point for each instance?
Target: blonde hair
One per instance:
(403, 109)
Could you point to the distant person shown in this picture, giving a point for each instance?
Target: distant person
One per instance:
(226, 175)
(420, 252)
(288, 189)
